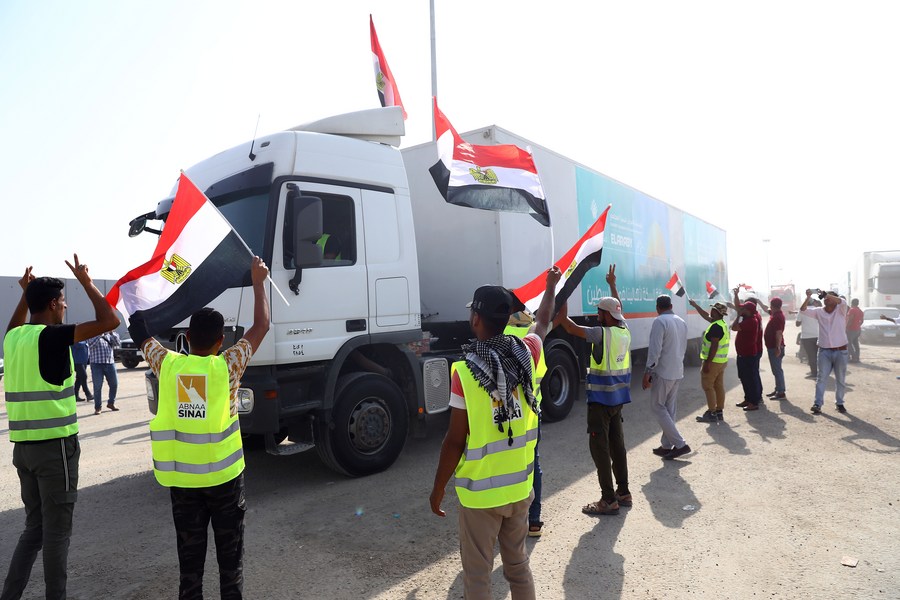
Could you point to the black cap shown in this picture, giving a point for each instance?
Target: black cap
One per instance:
(495, 302)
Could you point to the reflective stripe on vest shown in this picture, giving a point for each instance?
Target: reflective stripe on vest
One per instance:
(541, 370)
(491, 472)
(37, 410)
(609, 381)
(722, 351)
(195, 440)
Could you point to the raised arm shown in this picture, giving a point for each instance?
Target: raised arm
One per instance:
(20, 314)
(257, 332)
(105, 318)
(571, 327)
(803, 306)
(701, 311)
(544, 313)
(611, 280)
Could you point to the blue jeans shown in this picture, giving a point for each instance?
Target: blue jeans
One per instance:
(534, 511)
(777, 371)
(831, 360)
(98, 372)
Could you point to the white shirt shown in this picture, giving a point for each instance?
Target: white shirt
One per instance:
(809, 327)
(832, 326)
(668, 342)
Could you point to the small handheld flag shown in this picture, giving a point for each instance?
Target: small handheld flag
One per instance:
(674, 285)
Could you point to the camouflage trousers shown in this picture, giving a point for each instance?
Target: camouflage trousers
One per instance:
(193, 509)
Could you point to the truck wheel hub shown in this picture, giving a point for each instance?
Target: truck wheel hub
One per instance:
(370, 426)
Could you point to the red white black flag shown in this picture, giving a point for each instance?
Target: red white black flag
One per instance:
(711, 290)
(197, 257)
(674, 285)
(388, 93)
(499, 178)
(580, 258)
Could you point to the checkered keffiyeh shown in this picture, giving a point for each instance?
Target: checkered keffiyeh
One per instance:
(500, 365)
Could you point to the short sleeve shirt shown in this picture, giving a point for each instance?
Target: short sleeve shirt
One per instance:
(236, 357)
(54, 344)
(458, 397)
(775, 324)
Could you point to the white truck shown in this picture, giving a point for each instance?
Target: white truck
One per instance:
(875, 279)
(378, 311)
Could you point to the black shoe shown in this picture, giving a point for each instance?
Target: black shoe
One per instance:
(780, 396)
(89, 396)
(743, 404)
(77, 399)
(676, 452)
(707, 417)
(771, 395)
(811, 376)
(816, 409)
(662, 451)
(719, 416)
(841, 408)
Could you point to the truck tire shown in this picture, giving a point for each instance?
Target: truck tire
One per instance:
(368, 426)
(560, 384)
(130, 362)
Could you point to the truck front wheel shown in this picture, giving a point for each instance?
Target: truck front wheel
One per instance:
(368, 427)
(560, 384)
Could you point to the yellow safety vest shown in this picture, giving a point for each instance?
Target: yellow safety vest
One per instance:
(195, 440)
(37, 410)
(722, 351)
(541, 370)
(609, 381)
(322, 241)
(492, 472)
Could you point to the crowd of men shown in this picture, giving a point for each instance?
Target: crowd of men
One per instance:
(490, 448)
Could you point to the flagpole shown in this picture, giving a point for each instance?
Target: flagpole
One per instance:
(433, 71)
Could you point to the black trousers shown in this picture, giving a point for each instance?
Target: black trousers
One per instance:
(192, 510)
(48, 475)
(607, 445)
(748, 373)
(811, 345)
(81, 381)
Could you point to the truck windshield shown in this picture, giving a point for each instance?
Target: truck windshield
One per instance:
(889, 280)
(247, 210)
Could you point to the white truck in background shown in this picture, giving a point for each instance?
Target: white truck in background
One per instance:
(363, 351)
(875, 279)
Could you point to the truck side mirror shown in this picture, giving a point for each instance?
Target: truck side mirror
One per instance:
(136, 226)
(307, 219)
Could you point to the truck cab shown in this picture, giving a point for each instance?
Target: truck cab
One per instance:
(327, 206)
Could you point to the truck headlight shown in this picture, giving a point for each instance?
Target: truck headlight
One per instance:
(244, 400)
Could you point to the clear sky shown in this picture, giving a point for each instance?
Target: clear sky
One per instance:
(773, 120)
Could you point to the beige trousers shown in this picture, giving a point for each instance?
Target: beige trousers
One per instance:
(713, 385)
(479, 530)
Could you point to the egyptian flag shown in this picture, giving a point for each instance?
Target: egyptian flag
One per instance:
(675, 286)
(580, 258)
(711, 290)
(388, 93)
(745, 286)
(198, 256)
(499, 178)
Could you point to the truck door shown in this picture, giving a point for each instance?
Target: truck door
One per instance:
(331, 301)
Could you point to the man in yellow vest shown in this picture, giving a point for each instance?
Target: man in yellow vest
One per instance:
(196, 439)
(490, 442)
(520, 324)
(714, 346)
(608, 388)
(43, 424)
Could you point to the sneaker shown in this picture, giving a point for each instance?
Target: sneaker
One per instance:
(662, 451)
(624, 499)
(841, 408)
(780, 396)
(676, 452)
(720, 416)
(816, 409)
(707, 417)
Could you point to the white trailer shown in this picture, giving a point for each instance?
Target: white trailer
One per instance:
(364, 348)
(875, 278)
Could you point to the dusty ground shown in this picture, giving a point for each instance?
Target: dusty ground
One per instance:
(766, 507)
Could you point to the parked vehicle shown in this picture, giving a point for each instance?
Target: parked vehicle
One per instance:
(362, 353)
(877, 330)
(875, 279)
(128, 354)
(788, 295)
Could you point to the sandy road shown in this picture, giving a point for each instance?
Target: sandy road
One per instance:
(766, 506)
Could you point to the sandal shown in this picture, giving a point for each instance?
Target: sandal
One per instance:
(601, 507)
(535, 529)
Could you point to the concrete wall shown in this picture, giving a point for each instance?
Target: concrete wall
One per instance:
(79, 307)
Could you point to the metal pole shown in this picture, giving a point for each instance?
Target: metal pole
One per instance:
(768, 279)
(433, 70)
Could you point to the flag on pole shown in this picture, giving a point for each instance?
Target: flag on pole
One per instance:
(499, 178)
(388, 93)
(580, 258)
(745, 286)
(197, 257)
(711, 290)
(674, 285)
